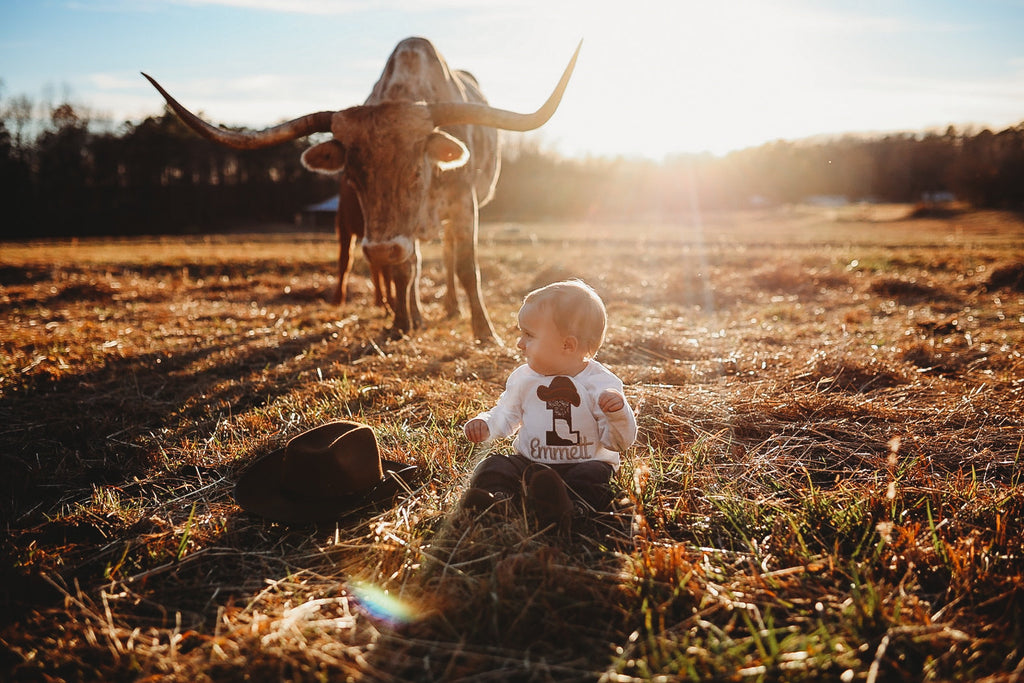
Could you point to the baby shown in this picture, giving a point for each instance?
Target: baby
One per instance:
(571, 415)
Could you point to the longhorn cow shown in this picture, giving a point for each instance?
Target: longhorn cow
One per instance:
(420, 153)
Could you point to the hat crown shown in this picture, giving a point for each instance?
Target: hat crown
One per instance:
(322, 475)
(332, 460)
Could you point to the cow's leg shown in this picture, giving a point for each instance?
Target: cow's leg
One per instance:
(388, 287)
(451, 296)
(404, 275)
(382, 295)
(415, 314)
(464, 233)
(345, 240)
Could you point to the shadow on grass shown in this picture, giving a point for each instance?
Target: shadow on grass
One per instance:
(85, 456)
(505, 597)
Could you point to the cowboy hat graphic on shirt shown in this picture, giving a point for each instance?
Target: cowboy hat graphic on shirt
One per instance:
(560, 395)
(321, 475)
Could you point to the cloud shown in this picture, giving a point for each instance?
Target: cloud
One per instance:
(288, 6)
(110, 82)
(334, 7)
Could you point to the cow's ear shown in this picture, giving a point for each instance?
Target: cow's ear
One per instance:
(446, 151)
(327, 157)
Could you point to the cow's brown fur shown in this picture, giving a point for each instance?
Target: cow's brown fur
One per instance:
(416, 196)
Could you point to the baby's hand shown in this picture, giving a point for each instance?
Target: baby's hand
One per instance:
(611, 401)
(476, 430)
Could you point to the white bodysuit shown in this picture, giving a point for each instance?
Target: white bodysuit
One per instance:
(558, 419)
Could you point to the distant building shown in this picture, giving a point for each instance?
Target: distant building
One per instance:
(827, 200)
(939, 197)
(319, 215)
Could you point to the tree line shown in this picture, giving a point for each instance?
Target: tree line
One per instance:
(983, 169)
(64, 175)
(71, 178)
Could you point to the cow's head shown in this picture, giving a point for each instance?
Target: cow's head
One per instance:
(388, 151)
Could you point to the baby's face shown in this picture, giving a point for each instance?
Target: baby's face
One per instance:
(546, 349)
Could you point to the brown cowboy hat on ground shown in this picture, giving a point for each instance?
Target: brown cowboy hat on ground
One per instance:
(321, 475)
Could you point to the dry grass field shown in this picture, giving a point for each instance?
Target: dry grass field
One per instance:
(828, 482)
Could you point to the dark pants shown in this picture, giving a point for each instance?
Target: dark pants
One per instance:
(588, 481)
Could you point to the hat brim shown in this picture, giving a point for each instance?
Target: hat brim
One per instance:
(258, 491)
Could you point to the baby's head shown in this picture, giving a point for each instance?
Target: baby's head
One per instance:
(576, 310)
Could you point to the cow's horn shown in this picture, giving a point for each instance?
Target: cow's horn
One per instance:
(319, 122)
(456, 113)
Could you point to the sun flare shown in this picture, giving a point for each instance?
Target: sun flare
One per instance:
(724, 76)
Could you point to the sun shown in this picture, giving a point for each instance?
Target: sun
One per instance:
(670, 76)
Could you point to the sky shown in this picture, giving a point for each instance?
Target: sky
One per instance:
(655, 78)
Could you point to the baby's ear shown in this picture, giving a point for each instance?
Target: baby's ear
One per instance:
(570, 343)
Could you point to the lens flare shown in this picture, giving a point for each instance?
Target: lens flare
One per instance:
(380, 605)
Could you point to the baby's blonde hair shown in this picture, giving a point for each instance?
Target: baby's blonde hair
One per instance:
(577, 311)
